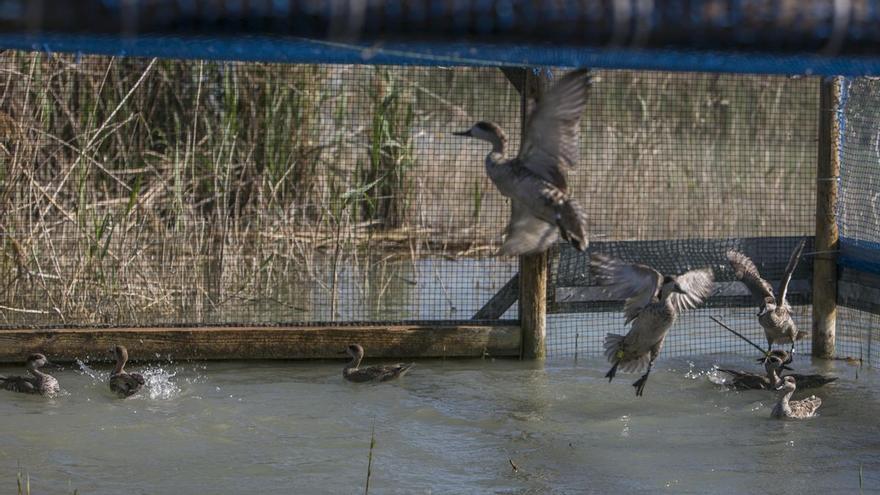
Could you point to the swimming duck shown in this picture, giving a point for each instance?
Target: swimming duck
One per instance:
(535, 180)
(39, 383)
(123, 383)
(774, 314)
(744, 380)
(653, 303)
(378, 373)
(773, 365)
(796, 409)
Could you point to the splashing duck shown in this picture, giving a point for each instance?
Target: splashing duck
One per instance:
(774, 314)
(123, 383)
(38, 383)
(653, 303)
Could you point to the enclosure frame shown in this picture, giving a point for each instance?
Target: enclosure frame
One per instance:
(485, 335)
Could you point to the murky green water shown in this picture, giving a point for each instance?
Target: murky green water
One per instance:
(448, 427)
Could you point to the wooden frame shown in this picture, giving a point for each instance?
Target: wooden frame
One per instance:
(825, 260)
(272, 342)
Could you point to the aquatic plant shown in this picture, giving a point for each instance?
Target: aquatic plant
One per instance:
(370, 458)
(135, 190)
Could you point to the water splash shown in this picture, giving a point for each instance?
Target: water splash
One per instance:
(716, 377)
(95, 375)
(625, 431)
(158, 384)
(712, 374)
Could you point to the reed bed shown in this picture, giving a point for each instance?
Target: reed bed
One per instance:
(137, 191)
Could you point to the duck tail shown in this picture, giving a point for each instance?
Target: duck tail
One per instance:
(404, 367)
(572, 222)
(613, 346)
(730, 372)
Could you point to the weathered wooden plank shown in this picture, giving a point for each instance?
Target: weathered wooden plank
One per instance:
(393, 341)
(825, 261)
(500, 302)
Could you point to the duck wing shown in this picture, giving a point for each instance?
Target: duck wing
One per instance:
(634, 282)
(126, 384)
(21, 384)
(526, 233)
(746, 272)
(812, 381)
(789, 269)
(551, 141)
(697, 286)
(392, 371)
(377, 373)
(743, 380)
(806, 407)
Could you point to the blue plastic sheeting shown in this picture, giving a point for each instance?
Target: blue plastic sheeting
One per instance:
(288, 50)
(838, 27)
(859, 255)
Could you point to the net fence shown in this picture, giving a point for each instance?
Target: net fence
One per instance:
(859, 221)
(144, 192)
(676, 170)
(139, 192)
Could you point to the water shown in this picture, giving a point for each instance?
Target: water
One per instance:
(449, 427)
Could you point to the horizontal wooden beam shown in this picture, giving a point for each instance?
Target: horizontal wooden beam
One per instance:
(276, 342)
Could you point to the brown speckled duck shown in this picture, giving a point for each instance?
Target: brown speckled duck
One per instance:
(38, 383)
(534, 179)
(378, 373)
(774, 314)
(653, 303)
(774, 365)
(795, 409)
(744, 380)
(123, 383)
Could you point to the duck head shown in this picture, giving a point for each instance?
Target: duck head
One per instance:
(768, 306)
(788, 384)
(120, 352)
(669, 286)
(35, 361)
(487, 131)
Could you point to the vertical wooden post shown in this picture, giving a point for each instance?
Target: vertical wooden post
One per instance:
(533, 268)
(825, 260)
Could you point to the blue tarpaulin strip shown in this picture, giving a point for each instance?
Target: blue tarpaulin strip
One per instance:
(266, 49)
(859, 255)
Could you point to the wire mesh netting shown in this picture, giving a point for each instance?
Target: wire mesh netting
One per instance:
(676, 170)
(140, 192)
(146, 192)
(859, 221)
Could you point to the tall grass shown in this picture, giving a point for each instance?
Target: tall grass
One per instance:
(136, 190)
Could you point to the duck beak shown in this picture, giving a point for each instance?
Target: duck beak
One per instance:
(789, 368)
(466, 133)
(51, 365)
(780, 386)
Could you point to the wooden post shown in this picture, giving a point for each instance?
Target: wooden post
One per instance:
(825, 260)
(533, 268)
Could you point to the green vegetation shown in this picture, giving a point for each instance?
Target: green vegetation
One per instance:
(137, 190)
